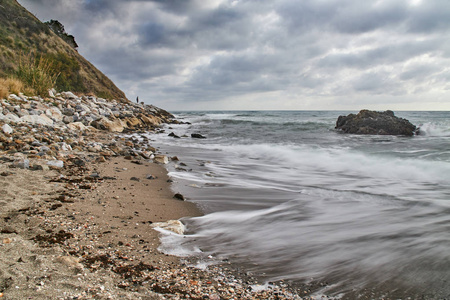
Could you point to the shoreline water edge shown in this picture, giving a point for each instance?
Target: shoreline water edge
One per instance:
(79, 206)
(288, 197)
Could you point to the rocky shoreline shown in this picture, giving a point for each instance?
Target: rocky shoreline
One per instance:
(79, 198)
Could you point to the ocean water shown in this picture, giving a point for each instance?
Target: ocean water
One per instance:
(287, 197)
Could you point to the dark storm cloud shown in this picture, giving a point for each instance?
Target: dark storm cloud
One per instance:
(195, 51)
(430, 16)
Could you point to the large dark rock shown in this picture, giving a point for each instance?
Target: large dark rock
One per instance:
(374, 122)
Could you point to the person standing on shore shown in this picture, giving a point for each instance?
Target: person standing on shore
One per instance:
(137, 99)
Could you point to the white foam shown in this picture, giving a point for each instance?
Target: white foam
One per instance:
(434, 129)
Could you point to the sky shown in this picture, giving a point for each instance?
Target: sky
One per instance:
(266, 54)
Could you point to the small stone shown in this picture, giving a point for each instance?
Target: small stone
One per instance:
(21, 164)
(101, 159)
(8, 230)
(78, 162)
(146, 154)
(135, 179)
(161, 159)
(179, 196)
(150, 177)
(7, 241)
(70, 261)
(56, 164)
(7, 129)
(174, 135)
(40, 167)
(172, 225)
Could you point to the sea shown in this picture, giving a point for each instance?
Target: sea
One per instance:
(288, 198)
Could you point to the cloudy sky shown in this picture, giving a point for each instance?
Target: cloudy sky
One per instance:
(266, 54)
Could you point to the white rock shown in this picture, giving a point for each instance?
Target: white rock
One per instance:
(22, 163)
(12, 117)
(58, 164)
(66, 147)
(171, 225)
(14, 97)
(68, 95)
(161, 159)
(54, 113)
(37, 120)
(76, 126)
(7, 129)
(51, 93)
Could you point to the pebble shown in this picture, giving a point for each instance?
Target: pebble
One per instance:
(7, 129)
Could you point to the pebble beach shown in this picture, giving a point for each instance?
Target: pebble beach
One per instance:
(80, 198)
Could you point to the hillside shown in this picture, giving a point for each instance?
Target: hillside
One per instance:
(25, 40)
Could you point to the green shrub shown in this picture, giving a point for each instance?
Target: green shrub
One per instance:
(36, 72)
(68, 68)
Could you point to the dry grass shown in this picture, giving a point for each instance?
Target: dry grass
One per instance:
(12, 86)
(3, 91)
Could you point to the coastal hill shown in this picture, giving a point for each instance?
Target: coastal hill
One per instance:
(31, 51)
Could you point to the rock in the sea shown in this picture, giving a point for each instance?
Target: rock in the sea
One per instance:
(174, 135)
(373, 122)
(197, 136)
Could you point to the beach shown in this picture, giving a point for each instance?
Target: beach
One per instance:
(82, 226)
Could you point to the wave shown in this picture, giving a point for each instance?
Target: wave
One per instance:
(293, 167)
(435, 129)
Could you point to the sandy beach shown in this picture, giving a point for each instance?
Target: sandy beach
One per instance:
(85, 231)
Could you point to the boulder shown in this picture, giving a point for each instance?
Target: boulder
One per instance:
(54, 113)
(103, 123)
(133, 122)
(37, 120)
(150, 120)
(373, 122)
(68, 95)
(10, 117)
(77, 126)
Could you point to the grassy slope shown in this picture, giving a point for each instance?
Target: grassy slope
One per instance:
(22, 33)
